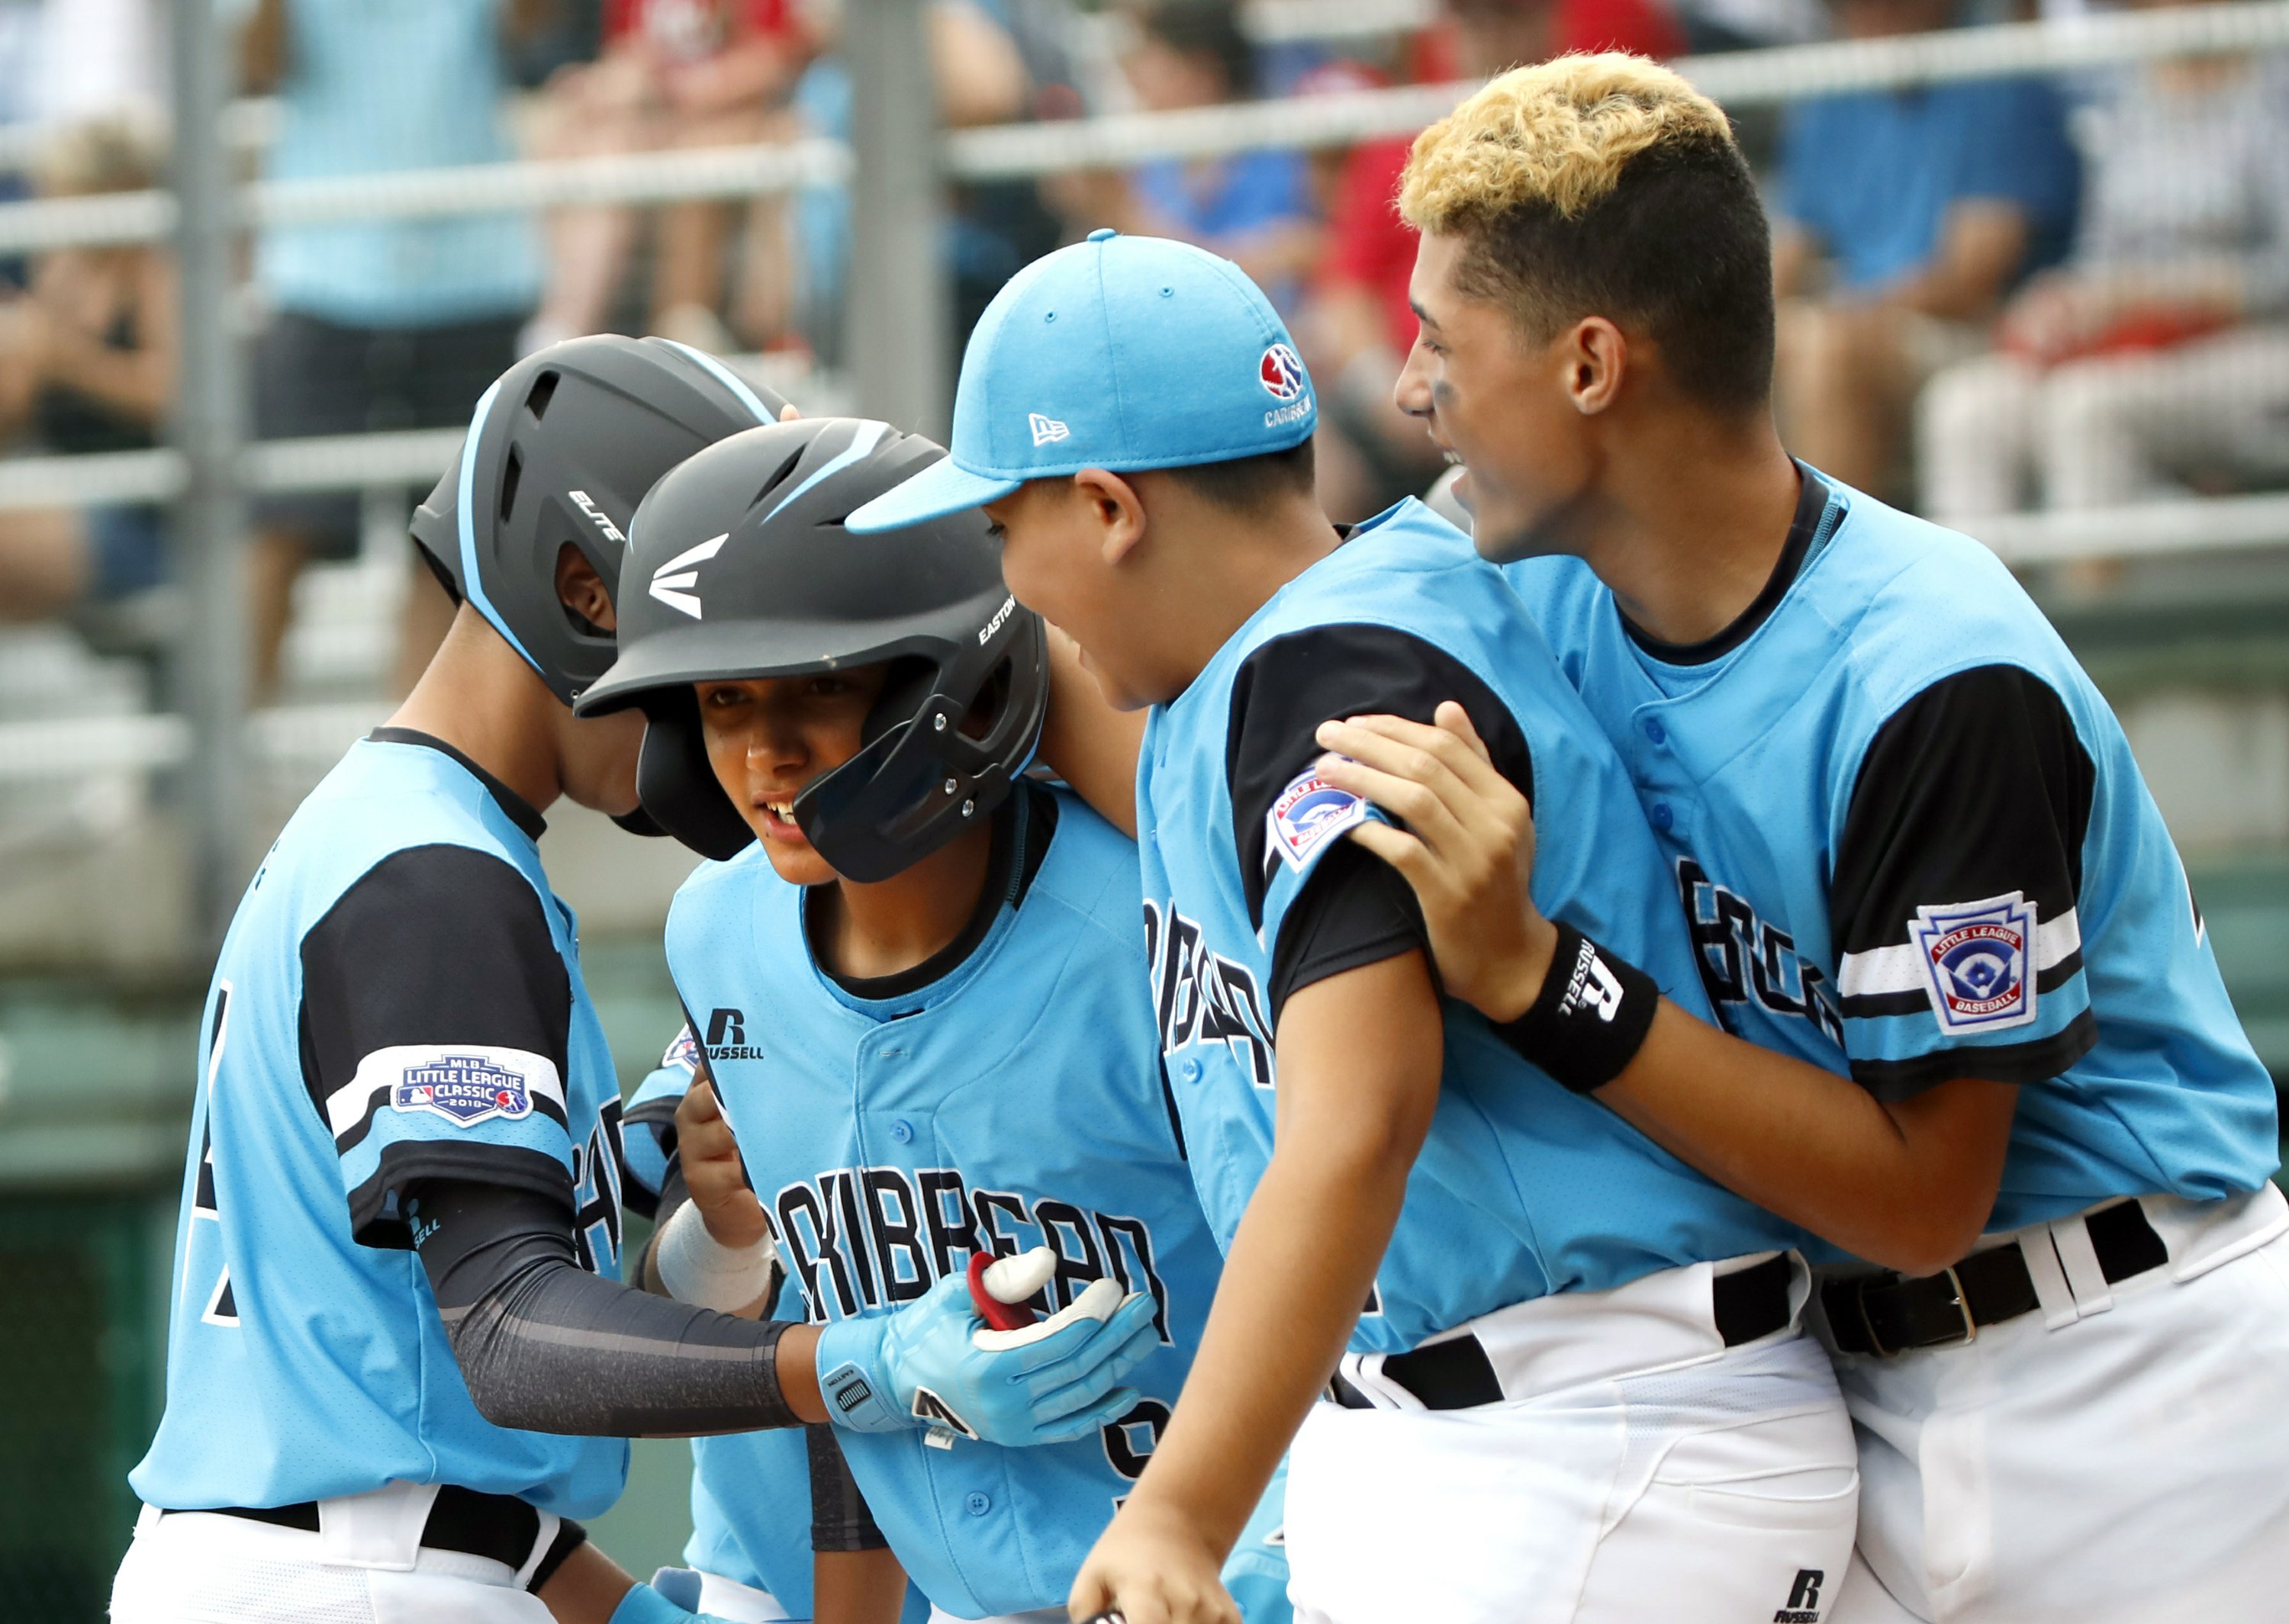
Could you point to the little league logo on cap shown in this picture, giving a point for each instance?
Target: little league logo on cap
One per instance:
(1120, 353)
(1282, 372)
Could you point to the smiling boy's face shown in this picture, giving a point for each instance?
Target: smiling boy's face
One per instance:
(1493, 401)
(769, 736)
(1053, 535)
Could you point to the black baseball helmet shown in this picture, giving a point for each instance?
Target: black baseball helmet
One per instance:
(748, 573)
(561, 449)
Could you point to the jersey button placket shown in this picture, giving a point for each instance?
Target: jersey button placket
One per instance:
(978, 1502)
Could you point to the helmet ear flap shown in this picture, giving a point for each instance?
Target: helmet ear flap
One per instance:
(676, 783)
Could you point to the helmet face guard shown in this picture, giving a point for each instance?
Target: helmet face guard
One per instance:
(789, 592)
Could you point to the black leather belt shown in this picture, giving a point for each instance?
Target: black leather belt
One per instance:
(499, 1527)
(1884, 1313)
(1457, 1375)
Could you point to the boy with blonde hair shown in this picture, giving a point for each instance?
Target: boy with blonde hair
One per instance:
(1987, 1055)
(1567, 1380)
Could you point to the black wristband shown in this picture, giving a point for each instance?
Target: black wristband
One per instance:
(1590, 1018)
(569, 1537)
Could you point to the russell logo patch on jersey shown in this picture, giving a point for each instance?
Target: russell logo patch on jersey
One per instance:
(1308, 814)
(1975, 957)
(467, 1089)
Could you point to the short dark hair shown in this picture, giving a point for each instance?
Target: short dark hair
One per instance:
(1204, 28)
(1250, 484)
(1607, 185)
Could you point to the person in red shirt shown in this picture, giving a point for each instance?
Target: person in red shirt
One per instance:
(673, 73)
(1359, 327)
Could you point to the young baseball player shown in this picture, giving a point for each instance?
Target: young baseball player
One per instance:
(402, 1200)
(752, 1556)
(1574, 1388)
(1988, 1048)
(753, 1524)
(918, 981)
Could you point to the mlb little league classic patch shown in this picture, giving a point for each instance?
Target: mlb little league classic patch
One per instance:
(465, 1089)
(1308, 814)
(1977, 959)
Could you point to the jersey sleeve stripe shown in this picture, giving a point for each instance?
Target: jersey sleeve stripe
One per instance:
(2034, 1061)
(1899, 967)
(1868, 1006)
(374, 1206)
(351, 1106)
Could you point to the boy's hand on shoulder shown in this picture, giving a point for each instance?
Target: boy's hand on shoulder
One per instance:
(1151, 1566)
(1467, 850)
(712, 1169)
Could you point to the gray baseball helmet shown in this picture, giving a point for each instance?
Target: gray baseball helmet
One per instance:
(746, 571)
(561, 449)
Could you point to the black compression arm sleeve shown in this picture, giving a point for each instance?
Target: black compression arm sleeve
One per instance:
(546, 1347)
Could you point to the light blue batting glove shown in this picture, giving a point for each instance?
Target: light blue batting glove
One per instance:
(642, 1605)
(933, 1362)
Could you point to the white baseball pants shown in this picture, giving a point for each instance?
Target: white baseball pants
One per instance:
(1644, 1476)
(202, 1567)
(2119, 1456)
(728, 1598)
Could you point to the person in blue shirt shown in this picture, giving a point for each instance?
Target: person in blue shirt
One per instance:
(1920, 208)
(917, 983)
(1254, 208)
(1539, 1325)
(398, 1365)
(376, 324)
(1973, 1033)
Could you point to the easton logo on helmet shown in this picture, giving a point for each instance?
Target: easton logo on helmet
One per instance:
(683, 571)
(1281, 373)
(985, 633)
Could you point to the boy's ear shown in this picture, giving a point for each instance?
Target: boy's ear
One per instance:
(580, 589)
(1117, 508)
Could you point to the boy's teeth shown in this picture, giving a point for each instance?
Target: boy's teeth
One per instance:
(1455, 459)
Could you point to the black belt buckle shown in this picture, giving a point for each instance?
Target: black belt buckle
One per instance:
(1960, 1303)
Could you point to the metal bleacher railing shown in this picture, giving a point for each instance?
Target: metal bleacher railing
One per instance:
(899, 159)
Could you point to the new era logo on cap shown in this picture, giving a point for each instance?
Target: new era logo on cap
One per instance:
(1154, 353)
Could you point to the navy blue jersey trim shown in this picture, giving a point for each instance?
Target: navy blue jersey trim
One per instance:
(1811, 506)
(1868, 1006)
(375, 1219)
(2035, 1062)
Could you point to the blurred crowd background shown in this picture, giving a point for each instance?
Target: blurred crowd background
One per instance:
(2032, 255)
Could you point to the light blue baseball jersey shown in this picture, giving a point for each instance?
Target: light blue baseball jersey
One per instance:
(750, 1491)
(1912, 845)
(1014, 1100)
(1522, 1188)
(399, 998)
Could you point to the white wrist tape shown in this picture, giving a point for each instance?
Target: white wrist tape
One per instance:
(699, 1270)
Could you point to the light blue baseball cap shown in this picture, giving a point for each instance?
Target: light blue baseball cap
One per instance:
(1119, 353)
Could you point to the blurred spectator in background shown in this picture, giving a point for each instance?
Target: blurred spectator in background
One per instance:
(1906, 216)
(87, 363)
(1254, 208)
(2161, 347)
(101, 59)
(1357, 327)
(672, 74)
(377, 324)
(981, 77)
